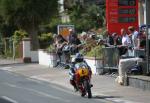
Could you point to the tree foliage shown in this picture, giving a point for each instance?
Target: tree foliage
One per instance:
(18, 36)
(87, 17)
(28, 15)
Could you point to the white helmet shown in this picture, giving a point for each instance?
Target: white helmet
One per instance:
(78, 57)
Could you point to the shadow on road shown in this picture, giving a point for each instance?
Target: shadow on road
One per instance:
(104, 97)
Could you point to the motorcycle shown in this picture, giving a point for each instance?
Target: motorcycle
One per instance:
(82, 80)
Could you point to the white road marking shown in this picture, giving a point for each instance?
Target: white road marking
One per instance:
(38, 92)
(34, 80)
(39, 78)
(6, 68)
(10, 85)
(9, 99)
(120, 100)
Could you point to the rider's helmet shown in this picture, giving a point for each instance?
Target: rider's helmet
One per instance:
(79, 57)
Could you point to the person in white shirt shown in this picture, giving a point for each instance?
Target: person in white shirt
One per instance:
(125, 38)
(134, 36)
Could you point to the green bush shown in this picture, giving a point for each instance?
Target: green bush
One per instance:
(95, 52)
(45, 40)
(51, 49)
(18, 36)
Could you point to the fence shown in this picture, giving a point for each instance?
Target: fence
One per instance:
(111, 56)
(9, 49)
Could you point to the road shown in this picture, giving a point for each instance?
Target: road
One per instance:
(15, 88)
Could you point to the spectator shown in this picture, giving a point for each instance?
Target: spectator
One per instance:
(125, 43)
(142, 40)
(83, 38)
(74, 41)
(117, 39)
(109, 39)
(125, 38)
(134, 36)
(59, 44)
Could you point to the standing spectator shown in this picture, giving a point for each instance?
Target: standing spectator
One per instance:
(74, 41)
(59, 43)
(142, 40)
(109, 39)
(134, 36)
(125, 38)
(117, 39)
(125, 42)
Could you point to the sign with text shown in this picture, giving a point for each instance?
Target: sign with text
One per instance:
(121, 14)
(64, 30)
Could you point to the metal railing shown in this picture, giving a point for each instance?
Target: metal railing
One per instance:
(110, 58)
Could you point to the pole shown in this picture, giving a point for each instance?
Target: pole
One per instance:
(147, 37)
(14, 50)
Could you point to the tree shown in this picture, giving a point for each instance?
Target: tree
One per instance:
(28, 15)
(85, 17)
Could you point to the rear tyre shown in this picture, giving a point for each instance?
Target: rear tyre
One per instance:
(88, 88)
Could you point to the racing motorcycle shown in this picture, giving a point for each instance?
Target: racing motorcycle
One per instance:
(82, 79)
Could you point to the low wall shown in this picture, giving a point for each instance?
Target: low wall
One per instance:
(34, 56)
(95, 64)
(29, 55)
(139, 81)
(47, 59)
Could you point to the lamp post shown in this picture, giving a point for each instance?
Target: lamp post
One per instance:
(148, 36)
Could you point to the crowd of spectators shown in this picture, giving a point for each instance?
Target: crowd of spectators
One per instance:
(127, 40)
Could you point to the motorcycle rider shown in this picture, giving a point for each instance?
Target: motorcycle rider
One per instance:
(78, 59)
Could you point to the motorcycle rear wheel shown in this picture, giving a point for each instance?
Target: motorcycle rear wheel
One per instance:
(88, 88)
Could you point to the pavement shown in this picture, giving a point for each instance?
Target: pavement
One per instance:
(8, 61)
(104, 85)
